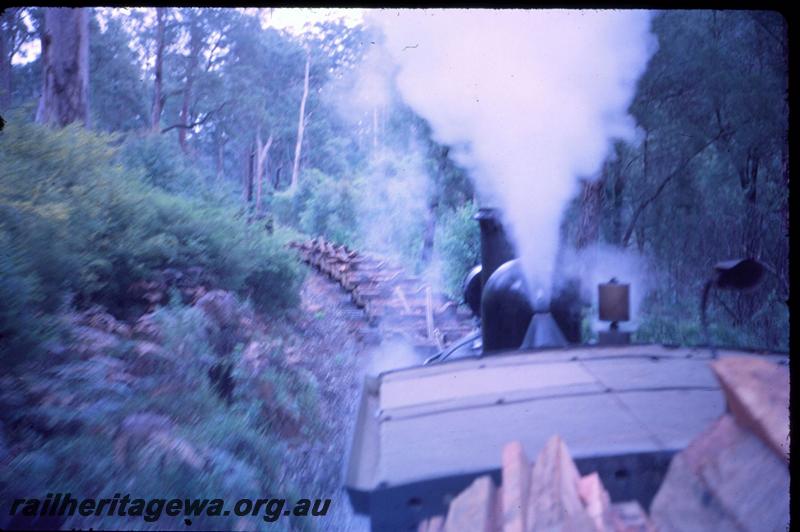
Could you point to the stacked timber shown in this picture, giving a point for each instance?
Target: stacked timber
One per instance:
(734, 476)
(550, 495)
(401, 305)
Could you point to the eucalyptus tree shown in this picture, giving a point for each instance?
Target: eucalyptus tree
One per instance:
(119, 94)
(708, 178)
(713, 104)
(201, 41)
(65, 81)
(16, 29)
(264, 76)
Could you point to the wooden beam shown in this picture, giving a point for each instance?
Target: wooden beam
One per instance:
(554, 503)
(516, 485)
(474, 508)
(757, 393)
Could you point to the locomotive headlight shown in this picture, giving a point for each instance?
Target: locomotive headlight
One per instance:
(614, 301)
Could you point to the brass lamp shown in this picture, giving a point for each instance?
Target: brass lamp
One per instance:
(614, 302)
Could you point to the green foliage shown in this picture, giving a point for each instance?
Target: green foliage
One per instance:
(21, 328)
(117, 85)
(458, 247)
(394, 205)
(87, 226)
(204, 447)
(161, 163)
(709, 179)
(330, 208)
(666, 318)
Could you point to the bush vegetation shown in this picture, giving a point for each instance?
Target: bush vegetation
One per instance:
(458, 247)
(80, 228)
(157, 428)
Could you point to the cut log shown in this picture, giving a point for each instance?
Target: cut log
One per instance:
(473, 509)
(516, 479)
(726, 479)
(386, 295)
(596, 501)
(757, 393)
(554, 503)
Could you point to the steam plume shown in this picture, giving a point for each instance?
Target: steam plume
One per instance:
(530, 100)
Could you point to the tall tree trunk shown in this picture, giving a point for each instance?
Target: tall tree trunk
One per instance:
(590, 211)
(751, 245)
(5, 69)
(300, 126)
(220, 162)
(262, 150)
(158, 98)
(65, 67)
(619, 187)
(247, 176)
(7, 23)
(429, 235)
(195, 41)
(250, 173)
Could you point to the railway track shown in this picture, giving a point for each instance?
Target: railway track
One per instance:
(394, 303)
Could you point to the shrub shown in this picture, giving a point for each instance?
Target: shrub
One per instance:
(458, 247)
(330, 209)
(160, 162)
(393, 206)
(85, 225)
(21, 328)
(666, 319)
(207, 447)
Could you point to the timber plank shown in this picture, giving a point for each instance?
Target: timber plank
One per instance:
(554, 503)
(726, 479)
(596, 501)
(516, 478)
(473, 509)
(757, 394)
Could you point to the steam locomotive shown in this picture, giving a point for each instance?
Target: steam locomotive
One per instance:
(424, 433)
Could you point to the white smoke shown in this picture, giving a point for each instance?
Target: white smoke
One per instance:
(394, 185)
(392, 355)
(530, 101)
(597, 264)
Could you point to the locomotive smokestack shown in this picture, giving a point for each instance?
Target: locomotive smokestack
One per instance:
(511, 317)
(506, 313)
(496, 248)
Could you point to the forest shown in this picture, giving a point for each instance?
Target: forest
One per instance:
(155, 163)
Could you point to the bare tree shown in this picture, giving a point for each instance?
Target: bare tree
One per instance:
(591, 203)
(262, 150)
(300, 126)
(158, 97)
(247, 188)
(65, 72)
(195, 46)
